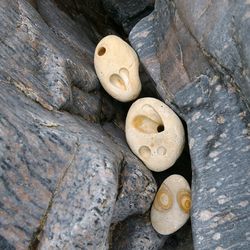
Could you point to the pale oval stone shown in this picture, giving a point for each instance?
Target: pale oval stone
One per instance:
(168, 219)
(117, 67)
(154, 133)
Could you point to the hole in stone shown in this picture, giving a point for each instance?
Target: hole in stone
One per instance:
(145, 152)
(160, 128)
(145, 124)
(117, 81)
(101, 51)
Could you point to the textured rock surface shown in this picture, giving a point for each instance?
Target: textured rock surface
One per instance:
(178, 42)
(128, 13)
(219, 141)
(136, 232)
(182, 39)
(64, 180)
(67, 177)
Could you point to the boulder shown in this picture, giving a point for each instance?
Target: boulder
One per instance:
(197, 53)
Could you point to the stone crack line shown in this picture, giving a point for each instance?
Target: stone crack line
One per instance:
(37, 234)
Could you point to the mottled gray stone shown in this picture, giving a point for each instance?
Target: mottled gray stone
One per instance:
(222, 31)
(182, 239)
(136, 232)
(98, 191)
(167, 50)
(63, 179)
(66, 173)
(181, 40)
(219, 140)
(87, 105)
(186, 40)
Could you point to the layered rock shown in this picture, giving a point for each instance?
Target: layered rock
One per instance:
(64, 179)
(198, 55)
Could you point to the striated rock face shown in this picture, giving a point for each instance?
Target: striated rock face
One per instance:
(198, 55)
(64, 179)
(181, 40)
(67, 177)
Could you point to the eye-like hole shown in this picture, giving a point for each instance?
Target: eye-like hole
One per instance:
(147, 125)
(101, 51)
(160, 128)
(150, 122)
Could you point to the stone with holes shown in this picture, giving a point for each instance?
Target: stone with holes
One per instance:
(171, 206)
(117, 67)
(154, 133)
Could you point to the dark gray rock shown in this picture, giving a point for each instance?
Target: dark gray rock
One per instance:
(219, 141)
(136, 232)
(222, 32)
(178, 43)
(182, 239)
(167, 50)
(87, 105)
(128, 13)
(64, 179)
(181, 40)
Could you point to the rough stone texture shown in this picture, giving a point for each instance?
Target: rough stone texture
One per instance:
(64, 180)
(128, 13)
(67, 177)
(137, 233)
(178, 43)
(181, 40)
(219, 141)
(182, 239)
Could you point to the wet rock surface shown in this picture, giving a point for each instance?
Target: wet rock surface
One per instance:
(67, 178)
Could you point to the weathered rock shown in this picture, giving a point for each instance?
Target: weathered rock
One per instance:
(178, 43)
(128, 13)
(182, 239)
(136, 233)
(219, 141)
(87, 105)
(167, 50)
(174, 45)
(63, 178)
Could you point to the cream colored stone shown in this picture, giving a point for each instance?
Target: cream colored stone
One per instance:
(170, 209)
(154, 133)
(117, 67)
